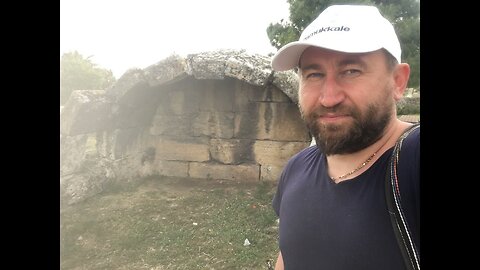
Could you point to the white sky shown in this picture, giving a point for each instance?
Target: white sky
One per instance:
(123, 34)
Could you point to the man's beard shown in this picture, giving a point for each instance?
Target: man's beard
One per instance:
(365, 129)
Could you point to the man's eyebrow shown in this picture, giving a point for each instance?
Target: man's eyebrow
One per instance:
(352, 61)
(311, 66)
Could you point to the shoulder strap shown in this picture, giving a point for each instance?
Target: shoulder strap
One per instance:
(400, 227)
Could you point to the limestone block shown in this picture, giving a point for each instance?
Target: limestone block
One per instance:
(274, 153)
(171, 168)
(125, 141)
(242, 95)
(231, 151)
(194, 150)
(246, 95)
(172, 125)
(270, 173)
(180, 98)
(271, 121)
(216, 95)
(88, 180)
(183, 101)
(214, 124)
(241, 172)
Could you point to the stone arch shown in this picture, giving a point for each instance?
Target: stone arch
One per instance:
(222, 115)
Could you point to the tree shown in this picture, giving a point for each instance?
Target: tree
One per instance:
(79, 73)
(404, 15)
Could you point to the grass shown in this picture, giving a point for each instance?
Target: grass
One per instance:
(172, 224)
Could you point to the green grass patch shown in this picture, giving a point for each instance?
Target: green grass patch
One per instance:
(178, 224)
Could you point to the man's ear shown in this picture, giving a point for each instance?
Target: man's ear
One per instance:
(401, 74)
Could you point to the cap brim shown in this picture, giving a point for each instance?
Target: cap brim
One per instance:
(288, 56)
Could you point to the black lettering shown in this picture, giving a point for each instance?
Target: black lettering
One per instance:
(327, 29)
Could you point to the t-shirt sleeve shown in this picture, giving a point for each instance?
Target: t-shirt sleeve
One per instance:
(277, 198)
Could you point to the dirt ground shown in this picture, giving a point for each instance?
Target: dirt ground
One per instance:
(172, 223)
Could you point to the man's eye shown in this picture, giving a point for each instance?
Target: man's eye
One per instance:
(351, 72)
(314, 75)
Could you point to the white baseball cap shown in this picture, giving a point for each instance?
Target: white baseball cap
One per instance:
(343, 28)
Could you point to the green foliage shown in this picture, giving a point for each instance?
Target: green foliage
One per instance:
(409, 109)
(408, 105)
(409, 34)
(79, 73)
(404, 15)
(281, 33)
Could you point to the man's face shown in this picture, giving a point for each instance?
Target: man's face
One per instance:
(345, 99)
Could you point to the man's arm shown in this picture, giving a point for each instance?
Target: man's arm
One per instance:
(279, 264)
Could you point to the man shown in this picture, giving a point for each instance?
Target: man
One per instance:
(331, 197)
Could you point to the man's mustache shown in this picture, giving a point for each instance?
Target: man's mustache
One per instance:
(321, 111)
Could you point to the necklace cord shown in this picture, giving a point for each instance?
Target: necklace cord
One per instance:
(356, 169)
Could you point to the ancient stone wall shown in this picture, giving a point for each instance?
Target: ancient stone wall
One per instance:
(218, 115)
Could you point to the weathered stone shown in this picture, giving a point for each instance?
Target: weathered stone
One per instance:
(180, 98)
(89, 180)
(287, 81)
(231, 151)
(268, 94)
(166, 71)
(253, 69)
(133, 117)
(170, 168)
(72, 152)
(105, 143)
(222, 114)
(270, 172)
(95, 147)
(241, 172)
(217, 95)
(210, 65)
(125, 141)
(75, 188)
(172, 125)
(136, 108)
(272, 153)
(85, 111)
(246, 94)
(271, 121)
(169, 149)
(132, 79)
(213, 124)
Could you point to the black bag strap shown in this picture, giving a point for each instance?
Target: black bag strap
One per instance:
(400, 227)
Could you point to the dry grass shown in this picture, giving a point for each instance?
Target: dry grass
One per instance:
(172, 224)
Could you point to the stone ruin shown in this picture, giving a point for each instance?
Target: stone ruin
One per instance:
(213, 115)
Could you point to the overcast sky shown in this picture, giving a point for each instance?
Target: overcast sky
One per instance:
(123, 34)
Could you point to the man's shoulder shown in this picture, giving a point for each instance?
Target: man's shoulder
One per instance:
(309, 155)
(413, 137)
(306, 152)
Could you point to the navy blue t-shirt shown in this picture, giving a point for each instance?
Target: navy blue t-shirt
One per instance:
(344, 226)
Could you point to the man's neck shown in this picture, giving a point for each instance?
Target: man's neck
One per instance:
(347, 166)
